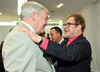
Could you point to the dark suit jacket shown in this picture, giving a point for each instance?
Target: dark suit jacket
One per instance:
(74, 58)
(54, 60)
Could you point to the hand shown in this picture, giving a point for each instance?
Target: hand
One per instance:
(34, 37)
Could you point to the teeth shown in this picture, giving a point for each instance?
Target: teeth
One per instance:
(66, 31)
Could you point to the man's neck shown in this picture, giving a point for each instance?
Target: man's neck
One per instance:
(79, 33)
(29, 22)
(59, 39)
(62, 39)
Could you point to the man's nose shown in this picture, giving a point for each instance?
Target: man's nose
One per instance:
(46, 24)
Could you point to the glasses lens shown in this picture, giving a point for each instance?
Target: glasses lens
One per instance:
(66, 25)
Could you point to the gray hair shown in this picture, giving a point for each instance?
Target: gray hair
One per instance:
(30, 6)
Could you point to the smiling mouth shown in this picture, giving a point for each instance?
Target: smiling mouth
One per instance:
(44, 25)
(67, 31)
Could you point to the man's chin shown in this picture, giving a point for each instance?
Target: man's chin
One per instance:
(66, 35)
(41, 31)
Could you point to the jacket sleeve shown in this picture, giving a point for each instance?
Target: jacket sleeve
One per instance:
(77, 51)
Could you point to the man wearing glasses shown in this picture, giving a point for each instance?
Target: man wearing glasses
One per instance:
(74, 55)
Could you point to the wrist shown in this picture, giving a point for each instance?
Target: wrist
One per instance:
(41, 40)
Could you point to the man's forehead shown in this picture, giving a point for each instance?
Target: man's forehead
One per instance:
(52, 30)
(70, 19)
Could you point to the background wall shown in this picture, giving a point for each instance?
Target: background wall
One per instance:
(4, 30)
(92, 16)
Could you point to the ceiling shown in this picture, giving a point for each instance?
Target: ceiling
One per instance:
(9, 8)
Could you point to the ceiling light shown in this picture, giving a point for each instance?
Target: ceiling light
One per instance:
(52, 11)
(60, 5)
(48, 15)
(0, 13)
(53, 22)
(20, 2)
(50, 20)
(7, 24)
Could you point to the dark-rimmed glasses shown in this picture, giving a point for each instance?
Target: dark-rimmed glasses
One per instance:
(68, 24)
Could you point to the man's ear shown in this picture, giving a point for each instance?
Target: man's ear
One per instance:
(79, 27)
(34, 15)
(58, 34)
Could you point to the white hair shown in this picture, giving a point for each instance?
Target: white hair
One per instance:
(30, 6)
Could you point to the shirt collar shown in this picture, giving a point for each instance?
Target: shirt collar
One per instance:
(71, 39)
(28, 25)
(61, 40)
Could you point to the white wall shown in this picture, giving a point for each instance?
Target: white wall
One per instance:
(6, 26)
(92, 32)
(4, 30)
(59, 24)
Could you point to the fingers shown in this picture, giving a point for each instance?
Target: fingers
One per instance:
(23, 29)
(35, 37)
(25, 33)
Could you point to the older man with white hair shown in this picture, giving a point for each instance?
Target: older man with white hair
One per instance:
(20, 53)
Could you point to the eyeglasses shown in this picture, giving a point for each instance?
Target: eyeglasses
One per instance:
(68, 24)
